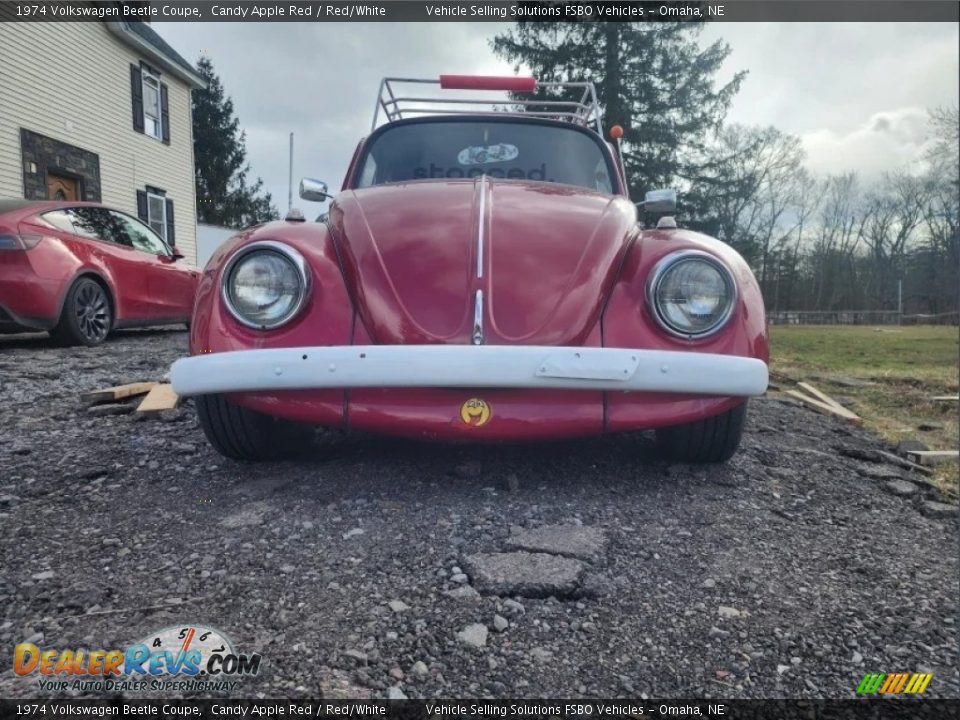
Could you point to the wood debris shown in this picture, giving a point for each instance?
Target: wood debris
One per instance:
(933, 457)
(114, 394)
(823, 403)
(946, 398)
(160, 397)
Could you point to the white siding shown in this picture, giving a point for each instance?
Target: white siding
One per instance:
(71, 82)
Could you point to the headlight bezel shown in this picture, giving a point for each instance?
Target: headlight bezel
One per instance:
(291, 255)
(670, 261)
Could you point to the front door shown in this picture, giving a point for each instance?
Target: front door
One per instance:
(60, 187)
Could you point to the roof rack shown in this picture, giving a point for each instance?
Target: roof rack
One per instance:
(397, 106)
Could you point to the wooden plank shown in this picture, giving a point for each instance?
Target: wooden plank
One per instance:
(161, 397)
(946, 398)
(113, 394)
(933, 457)
(824, 408)
(823, 397)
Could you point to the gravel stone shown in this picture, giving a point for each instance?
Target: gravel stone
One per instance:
(398, 606)
(464, 592)
(512, 606)
(474, 635)
(900, 488)
(358, 655)
(569, 540)
(934, 509)
(880, 472)
(500, 623)
(526, 574)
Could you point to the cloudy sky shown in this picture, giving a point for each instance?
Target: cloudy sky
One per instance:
(856, 94)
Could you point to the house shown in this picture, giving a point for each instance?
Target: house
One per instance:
(99, 111)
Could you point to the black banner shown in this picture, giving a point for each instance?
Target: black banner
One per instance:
(479, 11)
(863, 709)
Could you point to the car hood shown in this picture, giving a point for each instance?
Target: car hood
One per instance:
(543, 255)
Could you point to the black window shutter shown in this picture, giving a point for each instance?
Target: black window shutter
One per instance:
(142, 206)
(171, 235)
(164, 114)
(136, 92)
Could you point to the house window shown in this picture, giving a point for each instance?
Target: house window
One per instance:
(152, 118)
(157, 214)
(151, 103)
(155, 209)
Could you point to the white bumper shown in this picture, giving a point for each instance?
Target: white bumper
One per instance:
(468, 366)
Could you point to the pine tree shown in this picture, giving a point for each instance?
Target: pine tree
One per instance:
(224, 196)
(652, 78)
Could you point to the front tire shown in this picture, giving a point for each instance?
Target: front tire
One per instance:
(711, 440)
(242, 434)
(87, 315)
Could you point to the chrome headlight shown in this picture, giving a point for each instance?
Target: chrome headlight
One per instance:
(691, 293)
(265, 284)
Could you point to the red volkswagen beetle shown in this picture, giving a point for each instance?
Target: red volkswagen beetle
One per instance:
(79, 270)
(482, 277)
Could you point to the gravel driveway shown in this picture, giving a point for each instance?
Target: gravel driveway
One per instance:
(372, 566)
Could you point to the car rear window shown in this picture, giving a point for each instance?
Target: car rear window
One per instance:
(428, 150)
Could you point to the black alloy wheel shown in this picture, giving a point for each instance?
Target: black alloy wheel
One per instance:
(87, 315)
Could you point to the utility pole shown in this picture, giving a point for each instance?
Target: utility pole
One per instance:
(290, 177)
(899, 301)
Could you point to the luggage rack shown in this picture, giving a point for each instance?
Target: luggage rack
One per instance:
(396, 106)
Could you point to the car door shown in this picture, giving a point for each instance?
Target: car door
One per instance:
(111, 247)
(170, 287)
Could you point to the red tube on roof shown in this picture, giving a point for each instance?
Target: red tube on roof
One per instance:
(488, 82)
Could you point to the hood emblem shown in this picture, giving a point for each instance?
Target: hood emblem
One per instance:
(475, 412)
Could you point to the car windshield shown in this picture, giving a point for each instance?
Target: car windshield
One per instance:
(471, 148)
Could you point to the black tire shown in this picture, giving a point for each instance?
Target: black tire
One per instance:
(243, 434)
(87, 315)
(711, 440)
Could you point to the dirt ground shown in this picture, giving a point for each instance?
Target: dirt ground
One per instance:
(791, 571)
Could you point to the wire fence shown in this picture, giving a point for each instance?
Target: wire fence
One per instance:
(858, 317)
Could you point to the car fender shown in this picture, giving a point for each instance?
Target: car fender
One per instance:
(98, 273)
(325, 319)
(628, 322)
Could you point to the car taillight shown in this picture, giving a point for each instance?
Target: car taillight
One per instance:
(13, 241)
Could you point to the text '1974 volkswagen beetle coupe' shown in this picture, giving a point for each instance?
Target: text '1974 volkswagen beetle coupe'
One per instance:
(481, 276)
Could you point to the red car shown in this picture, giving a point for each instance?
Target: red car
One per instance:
(79, 270)
(482, 276)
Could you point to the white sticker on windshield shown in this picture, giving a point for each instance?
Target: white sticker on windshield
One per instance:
(478, 155)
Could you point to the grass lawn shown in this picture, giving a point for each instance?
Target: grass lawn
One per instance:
(908, 364)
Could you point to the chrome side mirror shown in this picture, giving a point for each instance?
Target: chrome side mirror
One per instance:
(659, 201)
(314, 190)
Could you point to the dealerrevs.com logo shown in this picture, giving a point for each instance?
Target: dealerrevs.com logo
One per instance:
(190, 658)
(894, 683)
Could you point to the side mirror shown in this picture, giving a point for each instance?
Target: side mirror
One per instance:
(659, 201)
(314, 190)
(176, 254)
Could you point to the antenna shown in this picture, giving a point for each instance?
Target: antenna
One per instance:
(290, 177)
